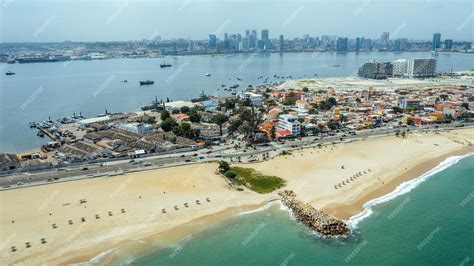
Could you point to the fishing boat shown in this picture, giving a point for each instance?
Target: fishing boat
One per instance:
(9, 73)
(164, 64)
(146, 82)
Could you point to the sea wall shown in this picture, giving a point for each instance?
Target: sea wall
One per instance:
(316, 220)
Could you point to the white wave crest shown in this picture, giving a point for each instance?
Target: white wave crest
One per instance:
(403, 188)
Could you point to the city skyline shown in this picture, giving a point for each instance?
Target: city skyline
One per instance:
(124, 20)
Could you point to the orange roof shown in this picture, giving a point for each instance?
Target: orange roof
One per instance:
(179, 116)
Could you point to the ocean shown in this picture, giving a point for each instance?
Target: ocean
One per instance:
(60, 89)
(426, 221)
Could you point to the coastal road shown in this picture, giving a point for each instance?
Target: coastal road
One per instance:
(223, 152)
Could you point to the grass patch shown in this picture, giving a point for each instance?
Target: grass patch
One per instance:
(256, 181)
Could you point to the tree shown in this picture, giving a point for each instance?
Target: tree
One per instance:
(164, 114)
(273, 132)
(194, 116)
(175, 111)
(332, 101)
(224, 166)
(231, 174)
(184, 109)
(234, 126)
(168, 124)
(404, 134)
(185, 130)
(219, 119)
(290, 99)
(397, 109)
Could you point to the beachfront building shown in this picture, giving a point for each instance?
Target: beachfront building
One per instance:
(421, 68)
(400, 67)
(289, 124)
(375, 70)
(255, 99)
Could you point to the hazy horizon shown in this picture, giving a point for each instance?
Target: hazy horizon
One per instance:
(116, 20)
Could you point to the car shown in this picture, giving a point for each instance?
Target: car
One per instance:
(131, 161)
(85, 168)
(187, 160)
(147, 164)
(182, 156)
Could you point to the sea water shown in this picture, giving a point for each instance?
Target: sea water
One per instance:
(428, 222)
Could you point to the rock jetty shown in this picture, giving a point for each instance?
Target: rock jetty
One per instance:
(316, 220)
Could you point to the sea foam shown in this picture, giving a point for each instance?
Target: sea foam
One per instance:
(403, 188)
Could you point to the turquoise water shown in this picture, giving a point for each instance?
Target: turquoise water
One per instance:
(60, 89)
(429, 225)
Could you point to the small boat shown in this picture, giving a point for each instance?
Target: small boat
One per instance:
(164, 64)
(239, 79)
(124, 81)
(146, 82)
(223, 85)
(234, 86)
(208, 74)
(9, 73)
(40, 134)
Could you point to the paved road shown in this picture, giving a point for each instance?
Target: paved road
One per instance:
(223, 152)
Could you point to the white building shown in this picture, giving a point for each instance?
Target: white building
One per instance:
(400, 67)
(301, 104)
(420, 68)
(136, 127)
(256, 99)
(289, 122)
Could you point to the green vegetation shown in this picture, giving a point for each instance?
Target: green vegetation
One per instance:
(250, 178)
(256, 181)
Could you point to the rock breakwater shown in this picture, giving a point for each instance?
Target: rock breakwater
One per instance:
(316, 220)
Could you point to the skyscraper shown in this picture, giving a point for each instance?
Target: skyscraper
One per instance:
(385, 39)
(357, 44)
(342, 44)
(281, 41)
(448, 44)
(436, 44)
(212, 41)
(399, 45)
(265, 39)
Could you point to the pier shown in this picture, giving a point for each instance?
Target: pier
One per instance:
(316, 220)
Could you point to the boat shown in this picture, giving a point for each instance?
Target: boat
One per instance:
(234, 86)
(202, 97)
(155, 105)
(9, 73)
(164, 64)
(146, 82)
(40, 134)
(223, 85)
(208, 74)
(124, 81)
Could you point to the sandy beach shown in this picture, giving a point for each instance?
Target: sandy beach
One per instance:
(72, 222)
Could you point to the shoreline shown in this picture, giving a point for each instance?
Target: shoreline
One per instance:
(306, 169)
(176, 235)
(357, 207)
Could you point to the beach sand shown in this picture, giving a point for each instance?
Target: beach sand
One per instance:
(28, 214)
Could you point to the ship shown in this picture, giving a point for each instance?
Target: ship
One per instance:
(164, 64)
(155, 105)
(146, 82)
(9, 73)
(25, 60)
(202, 97)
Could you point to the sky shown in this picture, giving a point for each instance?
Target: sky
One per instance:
(121, 20)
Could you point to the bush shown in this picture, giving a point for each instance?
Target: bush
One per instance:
(231, 174)
(224, 166)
